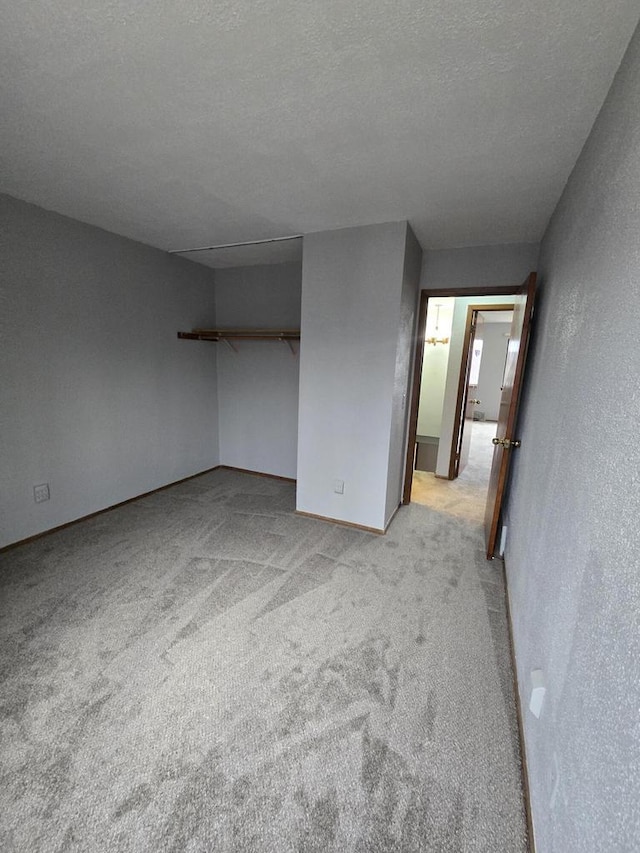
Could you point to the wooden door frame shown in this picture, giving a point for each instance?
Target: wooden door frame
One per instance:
(465, 364)
(421, 325)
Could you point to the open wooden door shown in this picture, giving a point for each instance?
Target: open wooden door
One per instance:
(505, 441)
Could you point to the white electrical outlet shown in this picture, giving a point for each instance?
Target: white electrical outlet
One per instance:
(538, 691)
(338, 487)
(41, 493)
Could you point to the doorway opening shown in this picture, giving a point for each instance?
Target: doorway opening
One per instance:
(481, 376)
(504, 442)
(470, 352)
(462, 372)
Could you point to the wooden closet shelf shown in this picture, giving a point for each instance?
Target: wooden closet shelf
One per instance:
(241, 334)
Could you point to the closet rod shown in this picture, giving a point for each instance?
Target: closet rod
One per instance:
(236, 245)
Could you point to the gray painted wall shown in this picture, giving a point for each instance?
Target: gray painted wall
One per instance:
(573, 544)
(99, 397)
(258, 385)
(479, 266)
(351, 305)
(403, 373)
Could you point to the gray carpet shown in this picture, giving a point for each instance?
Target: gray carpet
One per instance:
(477, 471)
(466, 496)
(203, 670)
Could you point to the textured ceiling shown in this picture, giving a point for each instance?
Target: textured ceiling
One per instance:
(198, 123)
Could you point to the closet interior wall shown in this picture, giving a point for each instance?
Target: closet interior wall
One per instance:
(258, 381)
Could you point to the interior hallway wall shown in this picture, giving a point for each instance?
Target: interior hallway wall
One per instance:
(573, 535)
(495, 337)
(99, 397)
(258, 384)
(434, 366)
(432, 384)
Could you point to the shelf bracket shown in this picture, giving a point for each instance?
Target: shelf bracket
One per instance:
(226, 336)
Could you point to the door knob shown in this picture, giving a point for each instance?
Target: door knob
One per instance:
(477, 402)
(505, 442)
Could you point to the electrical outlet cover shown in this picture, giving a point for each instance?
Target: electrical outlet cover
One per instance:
(41, 493)
(538, 691)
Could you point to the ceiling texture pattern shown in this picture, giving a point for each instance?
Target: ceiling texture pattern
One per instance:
(194, 124)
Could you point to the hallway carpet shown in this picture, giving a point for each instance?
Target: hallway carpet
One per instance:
(466, 496)
(203, 670)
